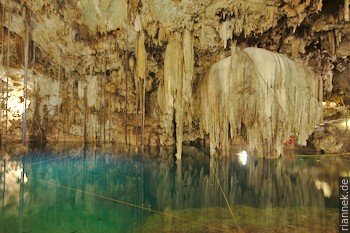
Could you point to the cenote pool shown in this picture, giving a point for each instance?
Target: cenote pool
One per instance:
(76, 189)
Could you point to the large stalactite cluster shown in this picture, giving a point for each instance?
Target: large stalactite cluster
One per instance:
(127, 71)
(262, 95)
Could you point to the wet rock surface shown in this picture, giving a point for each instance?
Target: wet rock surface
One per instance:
(126, 71)
(328, 139)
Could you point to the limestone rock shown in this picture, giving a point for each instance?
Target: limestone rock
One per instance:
(261, 94)
(328, 139)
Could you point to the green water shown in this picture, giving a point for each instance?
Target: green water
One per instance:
(79, 189)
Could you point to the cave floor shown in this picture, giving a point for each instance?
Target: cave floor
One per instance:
(80, 188)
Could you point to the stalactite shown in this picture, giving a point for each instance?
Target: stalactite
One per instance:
(126, 98)
(143, 113)
(338, 37)
(26, 63)
(88, 123)
(332, 42)
(3, 64)
(188, 71)
(109, 117)
(103, 85)
(66, 119)
(36, 130)
(182, 101)
(170, 92)
(126, 70)
(202, 37)
(85, 116)
(226, 32)
(100, 77)
(346, 10)
(137, 117)
(33, 53)
(3, 34)
(104, 108)
(109, 96)
(7, 76)
(141, 57)
(263, 93)
(175, 93)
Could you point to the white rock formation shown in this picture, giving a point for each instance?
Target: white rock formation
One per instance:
(261, 95)
(175, 94)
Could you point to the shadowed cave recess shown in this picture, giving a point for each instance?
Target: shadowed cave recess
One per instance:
(177, 72)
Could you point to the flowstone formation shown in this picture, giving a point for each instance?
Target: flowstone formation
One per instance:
(118, 71)
(262, 95)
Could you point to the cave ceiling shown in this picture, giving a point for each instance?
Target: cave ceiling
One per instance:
(80, 34)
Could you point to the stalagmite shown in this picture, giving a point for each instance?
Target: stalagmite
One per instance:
(261, 95)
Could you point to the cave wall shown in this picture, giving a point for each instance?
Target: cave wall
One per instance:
(119, 71)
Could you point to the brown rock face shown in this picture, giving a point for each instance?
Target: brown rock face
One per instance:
(328, 140)
(127, 71)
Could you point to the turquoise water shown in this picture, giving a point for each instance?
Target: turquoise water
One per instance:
(79, 189)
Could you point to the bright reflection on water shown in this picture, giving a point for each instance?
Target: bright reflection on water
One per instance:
(98, 190)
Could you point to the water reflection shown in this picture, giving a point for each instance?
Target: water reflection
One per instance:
(12, 175)
(243, 157)
(78, 189)
(324, 186)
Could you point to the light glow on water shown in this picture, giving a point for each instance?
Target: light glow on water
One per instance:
(243, 157)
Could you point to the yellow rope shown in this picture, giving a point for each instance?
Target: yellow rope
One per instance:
(49, 160)
(228, 205)
(137, 206)
(130, 204)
